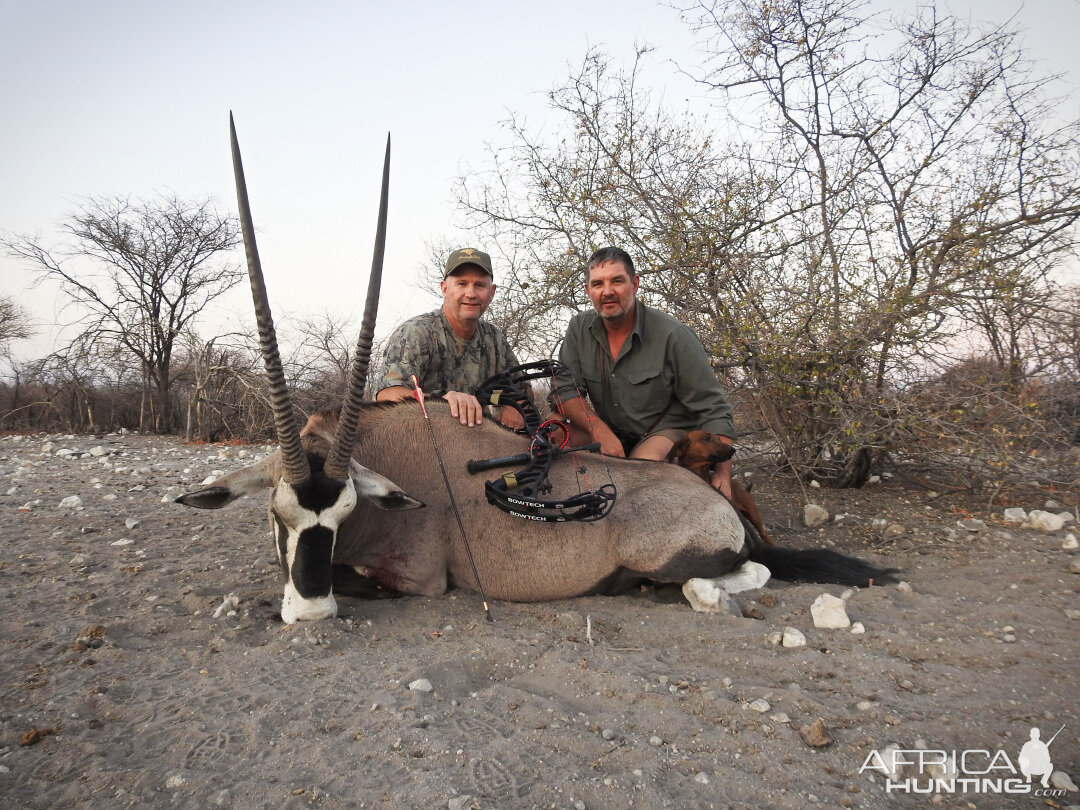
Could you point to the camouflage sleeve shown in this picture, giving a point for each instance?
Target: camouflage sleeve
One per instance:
(505, 353)
(405, 353)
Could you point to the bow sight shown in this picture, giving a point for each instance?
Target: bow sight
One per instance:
(517, 492)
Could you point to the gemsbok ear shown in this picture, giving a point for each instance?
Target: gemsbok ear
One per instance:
(249, 480)
(382, 492)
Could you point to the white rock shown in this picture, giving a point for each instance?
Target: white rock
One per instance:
(829, 612)
(858, 628)
(123, 541)
(228, 605)
(131, 523)
(1067, 517)
(1069, 543)
(1062, 781)
(705, 596)
(814, 515)
(71, 502)
(1014, 514)
(759, 705)
(775, 637)
(1074, 565)
(98, 451)
(174, 781)
(701, 778)
(815, 485)
(421, 685)
(903, 586)
(1046, 521)
(749, 577)
(793, 637)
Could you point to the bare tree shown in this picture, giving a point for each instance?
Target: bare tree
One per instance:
(14, 322)
(875, 193)
(142, 270)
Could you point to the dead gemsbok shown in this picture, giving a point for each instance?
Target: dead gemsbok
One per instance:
(326, 503)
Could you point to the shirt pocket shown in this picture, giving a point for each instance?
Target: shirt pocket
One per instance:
(648, 392)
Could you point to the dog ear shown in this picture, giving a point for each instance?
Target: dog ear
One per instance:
(678, 450)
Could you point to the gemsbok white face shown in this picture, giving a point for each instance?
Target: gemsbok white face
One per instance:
(311, 493)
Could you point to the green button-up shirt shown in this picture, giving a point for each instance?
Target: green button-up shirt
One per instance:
(661, 379)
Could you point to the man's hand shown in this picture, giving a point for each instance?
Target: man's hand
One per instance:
(465, 407)
(609, 442)
(721, 478)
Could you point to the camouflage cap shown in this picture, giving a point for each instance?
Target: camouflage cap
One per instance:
(468, 256)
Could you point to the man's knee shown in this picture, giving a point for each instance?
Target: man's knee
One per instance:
(654, 448)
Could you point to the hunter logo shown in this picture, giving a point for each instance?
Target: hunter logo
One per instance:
(975, 770)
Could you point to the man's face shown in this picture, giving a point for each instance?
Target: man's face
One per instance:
(466, 293)
(611, 289)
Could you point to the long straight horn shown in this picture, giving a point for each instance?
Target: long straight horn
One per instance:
(337, 461)
(294, 461)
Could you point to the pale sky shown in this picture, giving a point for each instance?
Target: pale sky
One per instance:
(103, 97)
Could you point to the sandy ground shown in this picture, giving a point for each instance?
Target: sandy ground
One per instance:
(143, 693)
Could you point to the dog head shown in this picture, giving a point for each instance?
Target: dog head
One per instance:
(698, 450)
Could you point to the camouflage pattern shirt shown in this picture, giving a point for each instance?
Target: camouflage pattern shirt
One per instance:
(428, 347)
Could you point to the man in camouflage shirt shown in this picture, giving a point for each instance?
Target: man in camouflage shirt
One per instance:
(451, 351)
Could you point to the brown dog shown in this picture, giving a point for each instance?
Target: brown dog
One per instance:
(698, 451)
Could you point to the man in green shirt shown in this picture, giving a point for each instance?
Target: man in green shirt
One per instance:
(451, 350)
(645, 373)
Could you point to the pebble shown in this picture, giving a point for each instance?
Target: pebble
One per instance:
(701, 778)
(904, 586)
(829, 612)
(972, 525)
(815, 735)
(814, 515)
(1074, 565)
(655, 741)
(421, 685)
(1070, 543)
(71, 502)
(1062, 781)
(858, 628)
(793, 637)
(608, 734)
(1014, 514)
(131, 523)
(705, 596)
(174, 781)
(759, 705)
